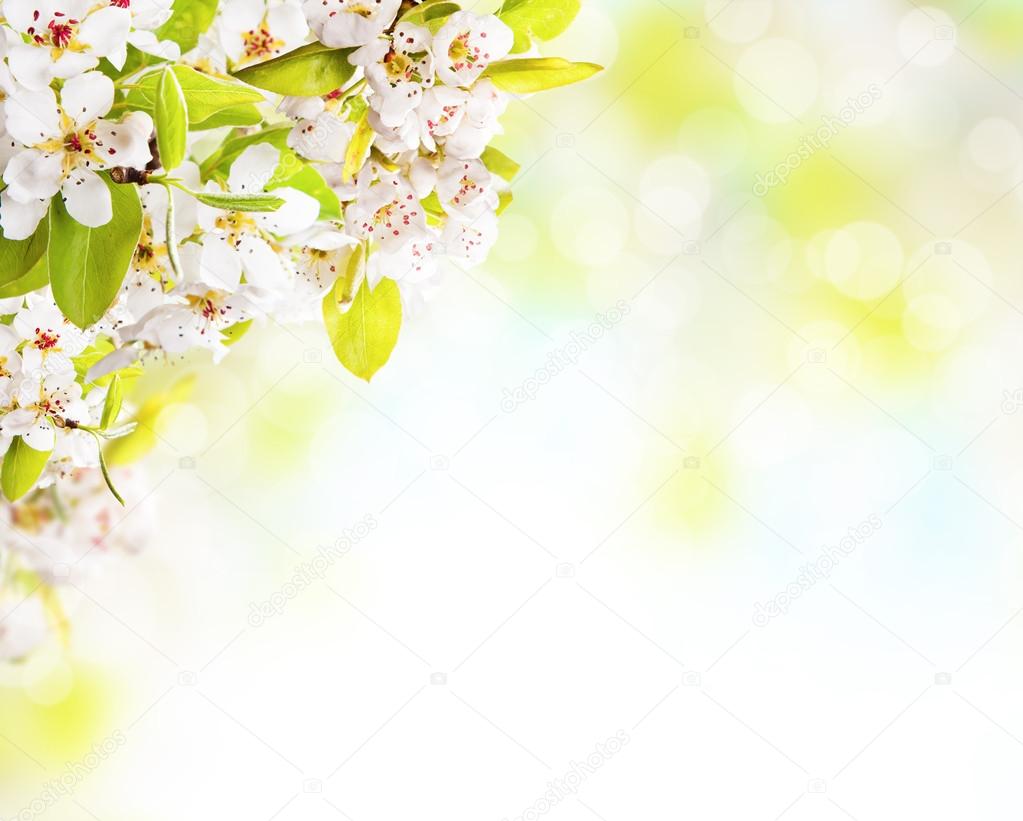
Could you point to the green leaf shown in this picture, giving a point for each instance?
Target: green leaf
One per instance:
(206, 96)
(430, 13)
(308, 71)
(35, 279)
(106, 471)
(112, 404)
(19, 256)
(431, 205)
(497, 162)
(358, 149)
(292, 171)
(127, 449)
(245, 114)
(171, 119)
(87, 265)
(540, 19)
(22, 467)
(525, 76)
(309, 181)
(135, 62)
(346, 285)
(233, 333)
(189, 19)
(222, 159)
(238, 202)
(93, 354)
(364, 336)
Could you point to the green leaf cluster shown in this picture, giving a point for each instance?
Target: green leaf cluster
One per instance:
(537, 19)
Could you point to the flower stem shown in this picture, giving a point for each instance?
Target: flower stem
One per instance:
(172, 240)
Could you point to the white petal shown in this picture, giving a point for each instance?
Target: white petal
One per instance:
(87, 97)
(394, 104)
(150, 14)
(301, 108)
(343, 23)
(73, 63)
(241, 15)
(31, 65)
(219, 264)
(41, 435)
(324, 138)
(298, 212)
(105, 30)
(87, 198)
(470, 241)
(22, 14)
(287, 23)
(253, 168)
(423, 177)
(20, 219)
(32, 116)
(147, 42)
(113, 361)
(18, 421)
(33, 175)
(119, 56)
(262, 266)
(32, 365)
(370, 53)
(127, 142)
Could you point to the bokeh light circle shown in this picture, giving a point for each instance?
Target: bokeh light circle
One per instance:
(864, 260)
(994, 145)
(776, 80)
(716, 137)
(927, 36)
(518, 238)
(739, 22)
(932, 323)
(590, 225)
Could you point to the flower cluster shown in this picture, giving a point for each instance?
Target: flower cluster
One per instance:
(169, 176)
(50, 540)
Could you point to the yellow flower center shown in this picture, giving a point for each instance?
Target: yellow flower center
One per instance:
(259, 43)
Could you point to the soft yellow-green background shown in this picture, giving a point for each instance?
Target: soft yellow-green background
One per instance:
(846, 345)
